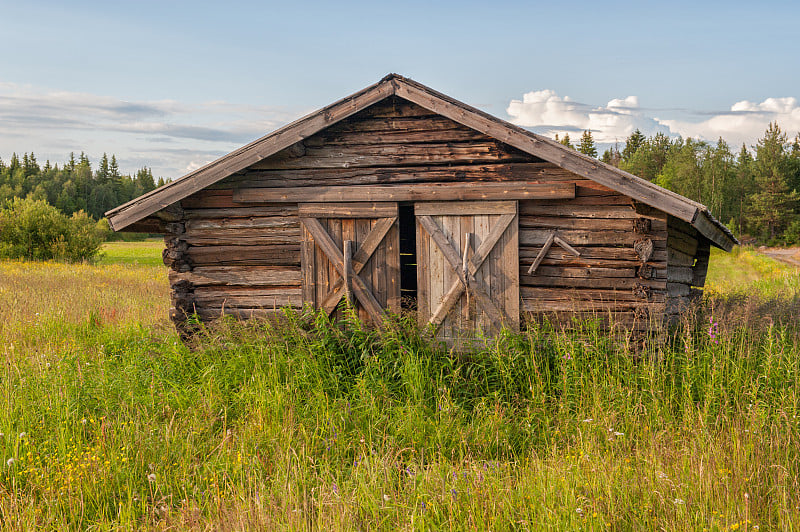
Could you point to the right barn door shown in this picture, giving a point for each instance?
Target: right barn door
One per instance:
(467, 268)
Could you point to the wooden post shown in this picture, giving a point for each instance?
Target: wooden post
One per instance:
(348, 271)
(465, 271)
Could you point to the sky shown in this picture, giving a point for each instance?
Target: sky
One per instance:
(173, 85)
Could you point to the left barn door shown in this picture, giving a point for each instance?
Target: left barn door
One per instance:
(351, 251)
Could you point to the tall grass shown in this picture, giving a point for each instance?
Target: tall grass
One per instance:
(109, 421)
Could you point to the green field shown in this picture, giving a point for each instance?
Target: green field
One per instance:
(147, 253)
(109, 422)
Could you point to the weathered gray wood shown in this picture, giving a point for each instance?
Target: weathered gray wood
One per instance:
(348, 210)
(576, 238)
(348, 271)
(280, 254)
(700, 268)
(369, 155)
(460, 208)
(680, 274)
(238, 276)
(532, 172)
(420, 192)
(540, 257)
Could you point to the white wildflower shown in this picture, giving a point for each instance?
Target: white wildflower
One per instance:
(588, 420)
(10, 462)
(151, 477)
(680, 501)
(618, 434)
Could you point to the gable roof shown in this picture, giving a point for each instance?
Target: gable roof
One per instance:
(394, 85)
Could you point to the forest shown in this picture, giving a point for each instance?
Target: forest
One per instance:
(753, 190)
(74, 186)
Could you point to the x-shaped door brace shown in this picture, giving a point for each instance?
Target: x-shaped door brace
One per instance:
(349, 267)
(552, 239)
(466, 275)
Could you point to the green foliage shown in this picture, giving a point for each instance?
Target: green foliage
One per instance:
(74, 186)
(587, 146)
(34, 230)
(756, 194)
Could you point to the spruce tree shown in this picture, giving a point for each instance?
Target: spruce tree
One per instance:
(587, 146)
(633, 143)
(772, 206)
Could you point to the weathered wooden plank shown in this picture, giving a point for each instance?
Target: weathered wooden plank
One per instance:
(243, 237)
(449, 208)
(618, 283)
(587, 294)
(508, 263)
(427, 131)
(588, 224)
(533, 172)
(197, 225)
(711, 231)
(421, 192)
(348, 210)
(680, 274)
(700, 268)
(242, 211)
(239, 276)
(677, 258)
(677, 289)
(308, 269)
(279, 254)
(366, 155)
(548, 305)
(578, 238)
(611, 257)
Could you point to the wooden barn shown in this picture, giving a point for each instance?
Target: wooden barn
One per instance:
(400, 196)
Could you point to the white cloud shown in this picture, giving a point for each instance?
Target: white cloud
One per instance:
(744, 123)
(551, 114)
(547, 113)
(169, 136)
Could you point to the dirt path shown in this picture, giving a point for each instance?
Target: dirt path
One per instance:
(787, 255)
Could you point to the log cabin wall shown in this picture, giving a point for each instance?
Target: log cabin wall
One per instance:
(244, 258)
(687, 259)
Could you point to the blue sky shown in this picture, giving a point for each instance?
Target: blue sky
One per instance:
(173, 85)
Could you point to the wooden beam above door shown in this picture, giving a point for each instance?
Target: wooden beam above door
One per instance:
(508, 190)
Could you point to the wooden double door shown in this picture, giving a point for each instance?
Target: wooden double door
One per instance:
(467, 262)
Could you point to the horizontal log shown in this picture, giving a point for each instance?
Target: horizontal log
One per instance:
(273, 298)
(275, 255)
(251, 222)
(393, 155)
(239, 276)
(237, 210)
(547, 305)
(606, 283)
(677, 289)
(243, 237)
(567, 271)
(348, 210)
(682, 243)
(424, 131)
(534, 172)
(537, 237)
(611, 257)
(679, 274)
(678, 258)
(594, 294)
(207, 313)
(589, 224)
(420, 192)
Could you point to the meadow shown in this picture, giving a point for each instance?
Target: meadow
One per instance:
(109, 422)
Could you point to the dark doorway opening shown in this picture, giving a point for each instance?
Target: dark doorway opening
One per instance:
(408, 256)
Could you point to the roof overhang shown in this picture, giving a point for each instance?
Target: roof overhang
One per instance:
(394, 85)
